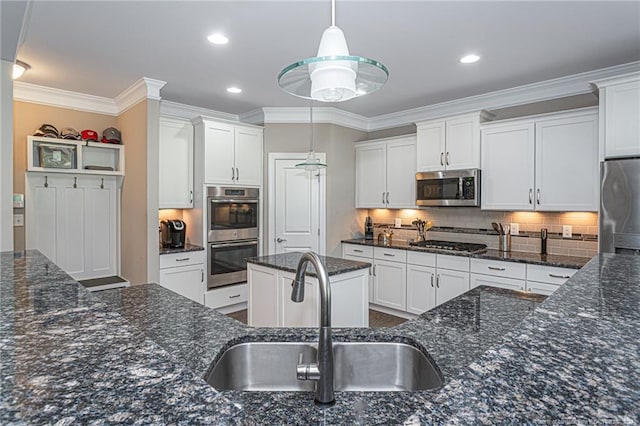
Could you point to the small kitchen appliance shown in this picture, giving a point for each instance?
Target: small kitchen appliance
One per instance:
(173, 233)
(368, 228)
(448, 188)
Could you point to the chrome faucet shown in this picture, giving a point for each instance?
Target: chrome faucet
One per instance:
(322, 370)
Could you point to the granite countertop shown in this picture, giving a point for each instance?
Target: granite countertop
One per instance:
(572, 262)
(187, 247)
(120, 356)
(289, 262)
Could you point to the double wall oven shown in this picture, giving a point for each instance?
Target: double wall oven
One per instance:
(232, 235)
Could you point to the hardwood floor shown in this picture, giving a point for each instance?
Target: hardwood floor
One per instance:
(376, 319)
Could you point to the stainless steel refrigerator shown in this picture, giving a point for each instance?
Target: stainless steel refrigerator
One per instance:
(620, 206)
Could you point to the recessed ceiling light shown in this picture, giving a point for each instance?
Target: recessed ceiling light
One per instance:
(234, 89)
(469, 59)
(218, 38)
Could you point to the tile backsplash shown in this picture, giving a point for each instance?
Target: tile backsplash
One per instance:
(474, 225)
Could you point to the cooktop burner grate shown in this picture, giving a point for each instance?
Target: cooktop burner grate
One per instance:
(450, 245)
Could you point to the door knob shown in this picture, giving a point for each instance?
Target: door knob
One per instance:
(280, 240)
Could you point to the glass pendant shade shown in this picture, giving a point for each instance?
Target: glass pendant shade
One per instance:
(333, 75)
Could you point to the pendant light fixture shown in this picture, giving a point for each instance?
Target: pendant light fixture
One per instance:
(333, 75)
(312, 163)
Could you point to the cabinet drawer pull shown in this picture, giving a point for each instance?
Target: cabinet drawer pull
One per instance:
(234, 296)
(560, 276)
(389, 254)
(495, 268)
(184, 259)
(358, 251)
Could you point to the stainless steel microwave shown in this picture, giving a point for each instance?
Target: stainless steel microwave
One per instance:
(448, 188)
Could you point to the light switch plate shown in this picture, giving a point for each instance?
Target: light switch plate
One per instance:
(18, 220)
(515, 228)
(566, 231)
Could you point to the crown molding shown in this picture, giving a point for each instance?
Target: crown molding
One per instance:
(617, 79)
(294, 115)
(188, 112)
(536, 92)
(145, 88)
(33, 93)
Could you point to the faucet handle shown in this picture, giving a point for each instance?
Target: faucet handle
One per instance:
(306, 371)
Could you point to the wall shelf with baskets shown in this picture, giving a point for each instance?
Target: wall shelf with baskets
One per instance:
(71, 156)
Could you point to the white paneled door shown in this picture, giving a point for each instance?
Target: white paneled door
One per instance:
(296, 205)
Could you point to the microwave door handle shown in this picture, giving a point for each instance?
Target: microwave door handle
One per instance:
(237, 244)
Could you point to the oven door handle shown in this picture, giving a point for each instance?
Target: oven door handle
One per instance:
(235, 244)
(233, 200)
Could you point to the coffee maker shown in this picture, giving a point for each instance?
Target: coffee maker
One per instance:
(173, 233)
(368, 228)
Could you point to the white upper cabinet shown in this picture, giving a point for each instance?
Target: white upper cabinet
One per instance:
(176, 163)
(546, 164)
(232, 153)
(507, 178)
(385, 177)
(620, 115)
(567, 173)
(450, 144)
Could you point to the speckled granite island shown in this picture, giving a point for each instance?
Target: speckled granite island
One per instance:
(139, 355)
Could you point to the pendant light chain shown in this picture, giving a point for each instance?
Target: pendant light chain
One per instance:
(311, 123)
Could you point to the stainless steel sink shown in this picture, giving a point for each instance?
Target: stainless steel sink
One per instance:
(358, 366)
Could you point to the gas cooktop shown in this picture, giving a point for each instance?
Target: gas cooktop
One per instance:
(450, 245)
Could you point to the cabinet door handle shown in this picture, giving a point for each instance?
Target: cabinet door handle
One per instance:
(46, 181)
(447, 158)
(237, 174)
(441, 155)
(382, 197)
(438, 281)
(387, 198)
(374, 271)
(75, 182)
(191, 196)
(234, 296)
(184, 259)
(560, 276)
(389, 254)
(102, 184)
(495, 268)
(201, 275)
(431, 280)
(538, 195)
(530, 195)
(233, 173)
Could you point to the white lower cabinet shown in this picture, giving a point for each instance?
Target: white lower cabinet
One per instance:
(270, 304)
(450, 284)
(421, 289)
(491, 281)
(390, 284)
(360, 257)
(183, 273)
(547, 279)
(537, 279)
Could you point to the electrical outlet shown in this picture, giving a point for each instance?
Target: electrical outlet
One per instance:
(566, 231)
(515, 228)
(18, 220)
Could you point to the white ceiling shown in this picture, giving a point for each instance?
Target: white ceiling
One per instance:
(101, 48)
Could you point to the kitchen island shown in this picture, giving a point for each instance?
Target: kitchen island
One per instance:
(139, 355)
(269, 279)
